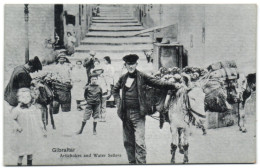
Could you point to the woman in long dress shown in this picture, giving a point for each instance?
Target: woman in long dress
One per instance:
(109, 71)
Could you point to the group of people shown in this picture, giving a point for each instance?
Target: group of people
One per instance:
(90, 89)
(25, 116)
(28, 115)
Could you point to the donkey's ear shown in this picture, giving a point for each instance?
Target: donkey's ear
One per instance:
(186, 79)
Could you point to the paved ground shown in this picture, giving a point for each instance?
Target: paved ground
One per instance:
(219, 145)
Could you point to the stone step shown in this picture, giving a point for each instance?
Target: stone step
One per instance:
(111, 15)
(113, 56)
(114, 21)
(116, 24)
(115, 15)
(121, 12)
(116, 41)
(115, 9)
(113, 18)
(116, 29)
(114, 34)
(114, 49)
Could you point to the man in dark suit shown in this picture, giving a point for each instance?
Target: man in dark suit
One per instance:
(133, 107)
(89, 63)
(21, 79)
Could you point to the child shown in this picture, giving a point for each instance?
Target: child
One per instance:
(79, 79)
(106, 91)
(93, 96)
(28, 126)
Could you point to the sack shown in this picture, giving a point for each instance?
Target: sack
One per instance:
(215, 97)
(62, 92)
(216, 101)
(45, 96)
(196, 101)
(227, 73)
(215, 66)
(211, 85)
(221, 65)
(155, 99)
(229, 64)
(61, 86)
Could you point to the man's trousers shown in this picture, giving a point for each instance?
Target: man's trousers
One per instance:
(134, 136)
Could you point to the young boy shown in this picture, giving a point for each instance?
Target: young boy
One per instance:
(93, 96)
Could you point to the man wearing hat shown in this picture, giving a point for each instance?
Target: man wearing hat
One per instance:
(21, 79)
(63, 69)
(133, 107)
(62, 88)
(89, 63)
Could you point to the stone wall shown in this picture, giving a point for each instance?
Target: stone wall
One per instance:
(208, 32)
(41, 28)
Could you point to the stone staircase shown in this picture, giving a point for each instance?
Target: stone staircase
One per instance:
(112, 34)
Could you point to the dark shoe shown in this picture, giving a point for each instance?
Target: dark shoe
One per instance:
(181, 150)
(244, 130)
(185, 148)
(29, 162)
(132, 162)
(81, 129)
(204, 131)
(173, 150)
(19, 164)
(94, 128)
(53, 126)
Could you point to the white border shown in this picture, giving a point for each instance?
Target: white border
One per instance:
(2, 2)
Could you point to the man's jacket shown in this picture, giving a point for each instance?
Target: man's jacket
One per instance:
(143, 81)
(19, 79)
(88, 64)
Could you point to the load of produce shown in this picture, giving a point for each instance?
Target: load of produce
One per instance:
(215, 82)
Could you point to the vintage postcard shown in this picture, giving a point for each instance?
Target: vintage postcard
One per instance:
(102, 84)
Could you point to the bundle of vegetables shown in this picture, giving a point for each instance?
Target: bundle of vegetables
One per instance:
(215, 93)
(195, 73)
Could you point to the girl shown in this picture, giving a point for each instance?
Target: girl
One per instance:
(109, 71)
(28, 126)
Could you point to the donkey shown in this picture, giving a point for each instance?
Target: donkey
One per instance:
(43, 97)
(246, 85)
(180, 117)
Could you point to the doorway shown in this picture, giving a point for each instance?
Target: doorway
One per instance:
(59, 28)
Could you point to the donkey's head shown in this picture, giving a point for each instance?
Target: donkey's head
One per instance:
(251, 80)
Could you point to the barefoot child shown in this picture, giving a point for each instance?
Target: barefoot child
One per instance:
(28, 126)
(93, 96)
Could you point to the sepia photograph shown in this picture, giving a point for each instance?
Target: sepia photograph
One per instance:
(129, 84)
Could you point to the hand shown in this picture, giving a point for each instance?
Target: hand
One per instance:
(118, 102)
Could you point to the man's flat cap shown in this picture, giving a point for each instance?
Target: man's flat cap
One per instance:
(131, 58)
(35, 63)
(63, 58)
(98, 71)
(93, 75)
